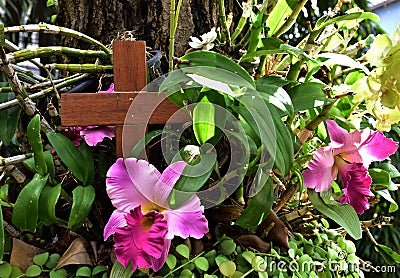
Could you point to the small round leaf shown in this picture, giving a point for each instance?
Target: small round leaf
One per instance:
(33, 271)
(84, 271)
(201, 264)
(227, 268)
(5, 270)
(99, 269)
(16, 272)
(183, 250)
(186, 273)
(228, 246)
(59, 273)
(41, 259)
(171, 261)
(52, 261)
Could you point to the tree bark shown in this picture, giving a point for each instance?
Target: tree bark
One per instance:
(148, 20)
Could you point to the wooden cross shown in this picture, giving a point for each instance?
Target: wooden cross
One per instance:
(130, 76)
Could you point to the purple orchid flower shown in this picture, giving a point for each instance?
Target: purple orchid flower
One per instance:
(349, 155)
(92, 134)
(143, 224)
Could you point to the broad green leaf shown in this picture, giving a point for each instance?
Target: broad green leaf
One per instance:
(390, 168)
(25, 212)
(391, 257)
(70, 155)
(48, 157)
(351, 16)
(279, 14)
(87, 160)
(82, 200)
(5, 269)
(41, 259)
(192, 179)
(9, 119)
(216, 60)
(183, 250)
(386, 195)
(118, 270)
(33, 271)
(341, 60)
(275, 94)
(2, 238)
(259, 206)
(380, 178)
(47, 204)
(35, 141)
(203, 121)
(308, 95)
(343, 214)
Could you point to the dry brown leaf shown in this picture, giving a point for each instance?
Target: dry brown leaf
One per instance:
(278, 234)
(76, 254)
(22, 254)
(255, 242)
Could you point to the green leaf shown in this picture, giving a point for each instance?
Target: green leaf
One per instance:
(183, 250)
(343, 214)
(82, 200)
(201, 264)
(386, 195)
(228, 246)
(98, 269)
(351, 16)
(203, 121)
(87, 160)
(390, 168)
(118, 270)
(9, 119)
(16, 272)
(308, 95)
(52, 261)
(391, 257)
(275, 94)
(84, 271)
(279, 14)
(219, 61)
(25, 212)
(58, 273)
(380, 177)
(5, 269)
(259, 206)
(70, 155)
(48, 157)
(47, 204)
(35, 141)
(186, 273)
(227, 268)
(341, 60)
(33, 271)
(171, 261)
(144, 141)
(41, 259)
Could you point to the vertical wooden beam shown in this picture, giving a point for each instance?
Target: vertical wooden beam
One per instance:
(129, 75)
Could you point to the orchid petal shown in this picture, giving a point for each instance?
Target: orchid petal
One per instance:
(357, 186)
(142, 240)
(321, 170)
(187, 220)
(337, 134)
(120, 188)
(117, 220)
(144, 177)
(110, 89)
(158, 263)
(375, 146)
(95, 135)
(166, 183)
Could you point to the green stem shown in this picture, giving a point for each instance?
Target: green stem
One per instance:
(171, 36)
(320, 118)
(291, 19)
(87, 68)
(14, 159)
(183, 265)
(222, 21)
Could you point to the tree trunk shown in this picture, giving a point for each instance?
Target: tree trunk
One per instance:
(147, 19)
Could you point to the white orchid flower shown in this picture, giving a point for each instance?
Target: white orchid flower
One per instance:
(206, 42)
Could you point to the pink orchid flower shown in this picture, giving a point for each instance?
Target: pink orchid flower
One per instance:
(92, 134)
(143, 224)
(349, 155)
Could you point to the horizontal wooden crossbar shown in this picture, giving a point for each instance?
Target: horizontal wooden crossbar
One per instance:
(111, 108)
